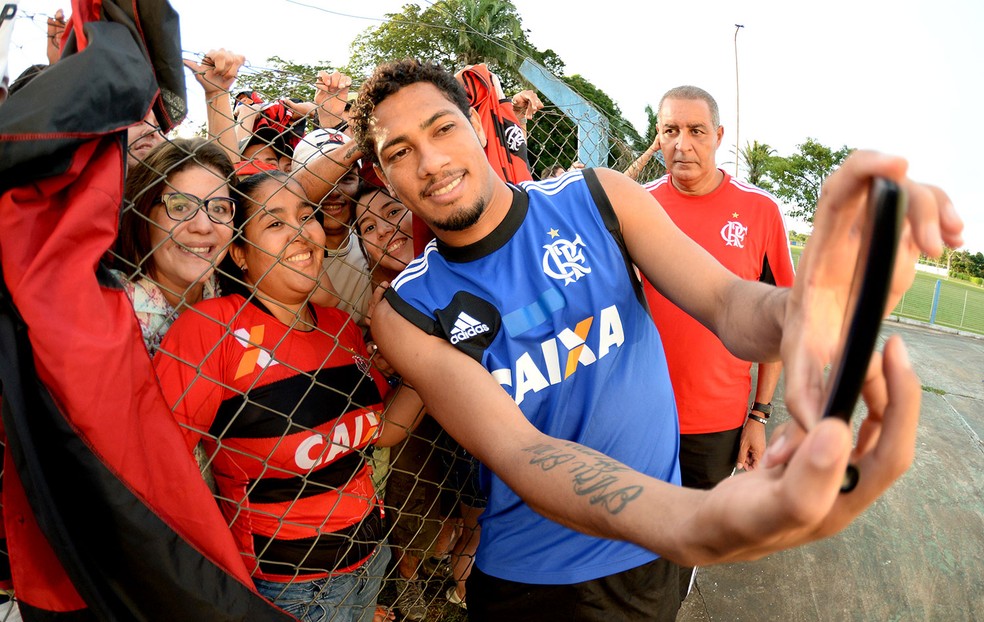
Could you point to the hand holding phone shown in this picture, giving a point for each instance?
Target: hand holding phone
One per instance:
(880, 230)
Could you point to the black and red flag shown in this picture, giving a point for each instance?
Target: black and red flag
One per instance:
(105, 516)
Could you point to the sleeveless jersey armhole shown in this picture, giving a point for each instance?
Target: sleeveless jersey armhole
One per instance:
(412, 315)
(610, 219)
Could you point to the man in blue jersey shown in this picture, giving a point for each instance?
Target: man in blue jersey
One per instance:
(524, 329)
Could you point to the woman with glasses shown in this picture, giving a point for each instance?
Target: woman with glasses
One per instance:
(282, 394)
(175, 229)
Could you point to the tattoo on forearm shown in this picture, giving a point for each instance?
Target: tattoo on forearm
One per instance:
(594, 474)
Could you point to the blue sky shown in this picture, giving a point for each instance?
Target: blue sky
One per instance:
(902, 77)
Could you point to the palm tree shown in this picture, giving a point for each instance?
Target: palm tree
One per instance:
(488, 32)
(758, 160)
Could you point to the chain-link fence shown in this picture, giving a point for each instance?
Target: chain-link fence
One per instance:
(937, 300)
(231, 248)
(950, 303)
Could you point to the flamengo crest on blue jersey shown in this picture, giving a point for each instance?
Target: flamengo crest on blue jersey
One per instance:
(564, 259)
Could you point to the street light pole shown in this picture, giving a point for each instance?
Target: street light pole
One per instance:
(737, 104)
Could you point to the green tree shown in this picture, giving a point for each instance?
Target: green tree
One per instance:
(976, 265)
(758, 160)
(652, 128)
(959, 263)
(800, 238)
(422, 34)
(460, 32)
(454, 33)
(798, 178)
(488, 32)
(282, 78)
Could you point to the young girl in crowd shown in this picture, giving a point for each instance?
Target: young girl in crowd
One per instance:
(386, 233)
(175, 229)
(289, 460)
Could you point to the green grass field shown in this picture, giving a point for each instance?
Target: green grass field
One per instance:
(960, 306)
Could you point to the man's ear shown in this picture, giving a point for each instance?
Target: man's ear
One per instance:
(720, 134)
(476, 122)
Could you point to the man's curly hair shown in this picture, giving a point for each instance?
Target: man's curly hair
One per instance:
(389, 78)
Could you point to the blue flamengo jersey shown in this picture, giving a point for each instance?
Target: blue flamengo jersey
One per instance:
(551, 307)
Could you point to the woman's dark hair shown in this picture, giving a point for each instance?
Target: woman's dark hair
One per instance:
(146, 182)
(388, 79)
(246, 190)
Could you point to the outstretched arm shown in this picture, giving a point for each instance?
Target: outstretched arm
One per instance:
(216, 73)
(321, 173)
(640, 163)
(781, 507)
(757, 322)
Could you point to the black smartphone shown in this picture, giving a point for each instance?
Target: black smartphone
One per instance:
(879, 232)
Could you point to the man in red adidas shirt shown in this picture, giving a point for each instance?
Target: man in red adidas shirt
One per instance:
(741, 226)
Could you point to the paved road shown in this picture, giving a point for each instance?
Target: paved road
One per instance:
(918, 553)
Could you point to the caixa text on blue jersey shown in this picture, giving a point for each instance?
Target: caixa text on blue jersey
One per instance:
(539, 370)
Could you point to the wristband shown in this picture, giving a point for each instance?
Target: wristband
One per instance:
(757, 418)
(765, 409)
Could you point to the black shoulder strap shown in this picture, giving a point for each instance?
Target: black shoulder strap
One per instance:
(614, 228)
(412, 315)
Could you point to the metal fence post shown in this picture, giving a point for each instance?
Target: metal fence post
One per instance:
(963, 313)
(592, 126)
(936, 302)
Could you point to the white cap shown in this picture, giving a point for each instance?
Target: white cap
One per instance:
(318, 141)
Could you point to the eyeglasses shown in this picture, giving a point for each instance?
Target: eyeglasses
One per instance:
(181, 207)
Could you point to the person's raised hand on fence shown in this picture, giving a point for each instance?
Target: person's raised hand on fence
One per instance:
(814, 310)
(331, 93)
(217, 71)
(300, 108)
(525, 104)
(216, 74)
(640, 163)
(56, 29)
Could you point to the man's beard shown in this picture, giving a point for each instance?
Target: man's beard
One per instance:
(463, 218)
